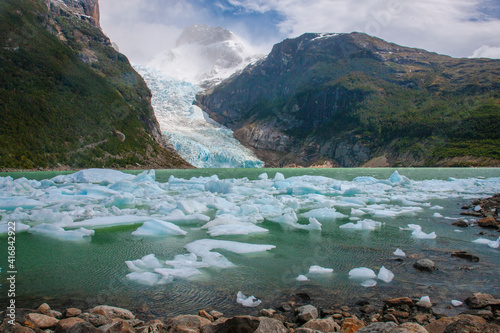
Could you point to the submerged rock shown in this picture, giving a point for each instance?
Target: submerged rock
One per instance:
(425, 265)
(465, 255)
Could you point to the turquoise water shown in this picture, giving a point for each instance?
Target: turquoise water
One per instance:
(94, 271)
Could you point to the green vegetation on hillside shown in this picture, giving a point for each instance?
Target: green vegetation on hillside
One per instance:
(66, 103)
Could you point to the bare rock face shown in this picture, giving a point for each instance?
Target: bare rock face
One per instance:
(87, 10)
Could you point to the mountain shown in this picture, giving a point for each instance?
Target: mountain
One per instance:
(204, 55)
(355, 100)
(67, 98)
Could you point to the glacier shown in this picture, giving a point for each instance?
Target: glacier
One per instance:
(198, 139)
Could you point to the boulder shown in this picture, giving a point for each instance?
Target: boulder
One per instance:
(351, 325)
(42, 321)
(409, 328)
(460, 224)
(425, 265)
(72, 312)
(377, 328)
(117, 326)
(465, 255)
(112, 312)
(206, 315)
(66, 324)
(398, 301)
(322, 325)
(83, 328)
(6, 327)
(246, 324)
(480, 300)
(307, 312)
(154, 326)
(471, 324)
(44, 308)
(216, 314)
(186, 323)
(488, 222)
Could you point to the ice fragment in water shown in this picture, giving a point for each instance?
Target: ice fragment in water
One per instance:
(54, 231)
(263, 176)
(437, 215)
(399, 253)
(362, 273)
(315, 269)
(158, 228)
(385, 275)
(279, 176)
(362, 225)
(235, 229)
(324, 213)
(477, 208)
(301, 278)
(418, 233)
(148, 262)
(369, 283)
(425, 299)
(93, 176)
(250, 302)
(19, 227)
(146, 278)
(490, 243)
(218, 186)
(454, 302)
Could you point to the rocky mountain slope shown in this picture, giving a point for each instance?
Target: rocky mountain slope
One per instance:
(67, 98)
(353, 100)
(204, 55)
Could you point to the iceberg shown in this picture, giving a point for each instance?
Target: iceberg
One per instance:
(158, 228)
(362, 273)
(93, 176)
(385, 275)
(250, 301)
(315, 269)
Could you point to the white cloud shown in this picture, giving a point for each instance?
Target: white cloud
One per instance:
(454, 27)
(487, 51)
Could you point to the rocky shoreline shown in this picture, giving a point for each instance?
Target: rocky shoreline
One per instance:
(397, 315)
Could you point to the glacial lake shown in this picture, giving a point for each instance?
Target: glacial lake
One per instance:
(59, 264)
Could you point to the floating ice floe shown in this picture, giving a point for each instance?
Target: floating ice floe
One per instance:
(324, 213)
(158, 228)
(148, 262)
(54, 231)
(17, 227)
(148, 278)
(93, 176)
(490, 243)
(362, 273)
(418, 233)
(16, 202)
(235, 229)
(110, 221)
(399, 253)
(315, 269)
(203, 248)
(362, 225)
(385, 275)
(302, 278)
(250, 301)
(369, 283)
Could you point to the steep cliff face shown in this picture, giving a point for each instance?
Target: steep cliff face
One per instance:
(67, 98)
(352, 99)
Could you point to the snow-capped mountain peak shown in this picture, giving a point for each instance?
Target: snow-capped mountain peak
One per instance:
(205, 56)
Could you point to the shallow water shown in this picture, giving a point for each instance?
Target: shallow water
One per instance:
(94, 271)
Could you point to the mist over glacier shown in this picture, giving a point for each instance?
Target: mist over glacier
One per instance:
(197, 138)
(203, 57)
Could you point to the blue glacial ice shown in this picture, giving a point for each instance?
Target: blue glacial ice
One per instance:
(197, 138)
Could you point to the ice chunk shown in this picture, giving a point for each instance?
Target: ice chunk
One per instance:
(147, 278)
(399, 253)
(49, 216)
(289, 218)
(203, 248)
(324, 213)
(279, 176)
(263, 176)
(362, 225)
(477, 208)
(178, 216)
(93, 176)
(218, 186)
(369, 283)
(180, 273)
(186, 260)
(18, 227)
(235, 229)
(247, 301)
(425, 299)
(490, 243)
(437, 207)
(148, 262)
(54, 231)
(385, 275)
(313, 225)
(121, 200)
(454, 302)
(437, 215)
(22, 202)
(315, 269)
(396, 178)
(108, 221)
(158, 228)
(191, 207)
(362, 273)
(302, 278)
(418, 233)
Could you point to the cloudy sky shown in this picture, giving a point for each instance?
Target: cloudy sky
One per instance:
(460, 28)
